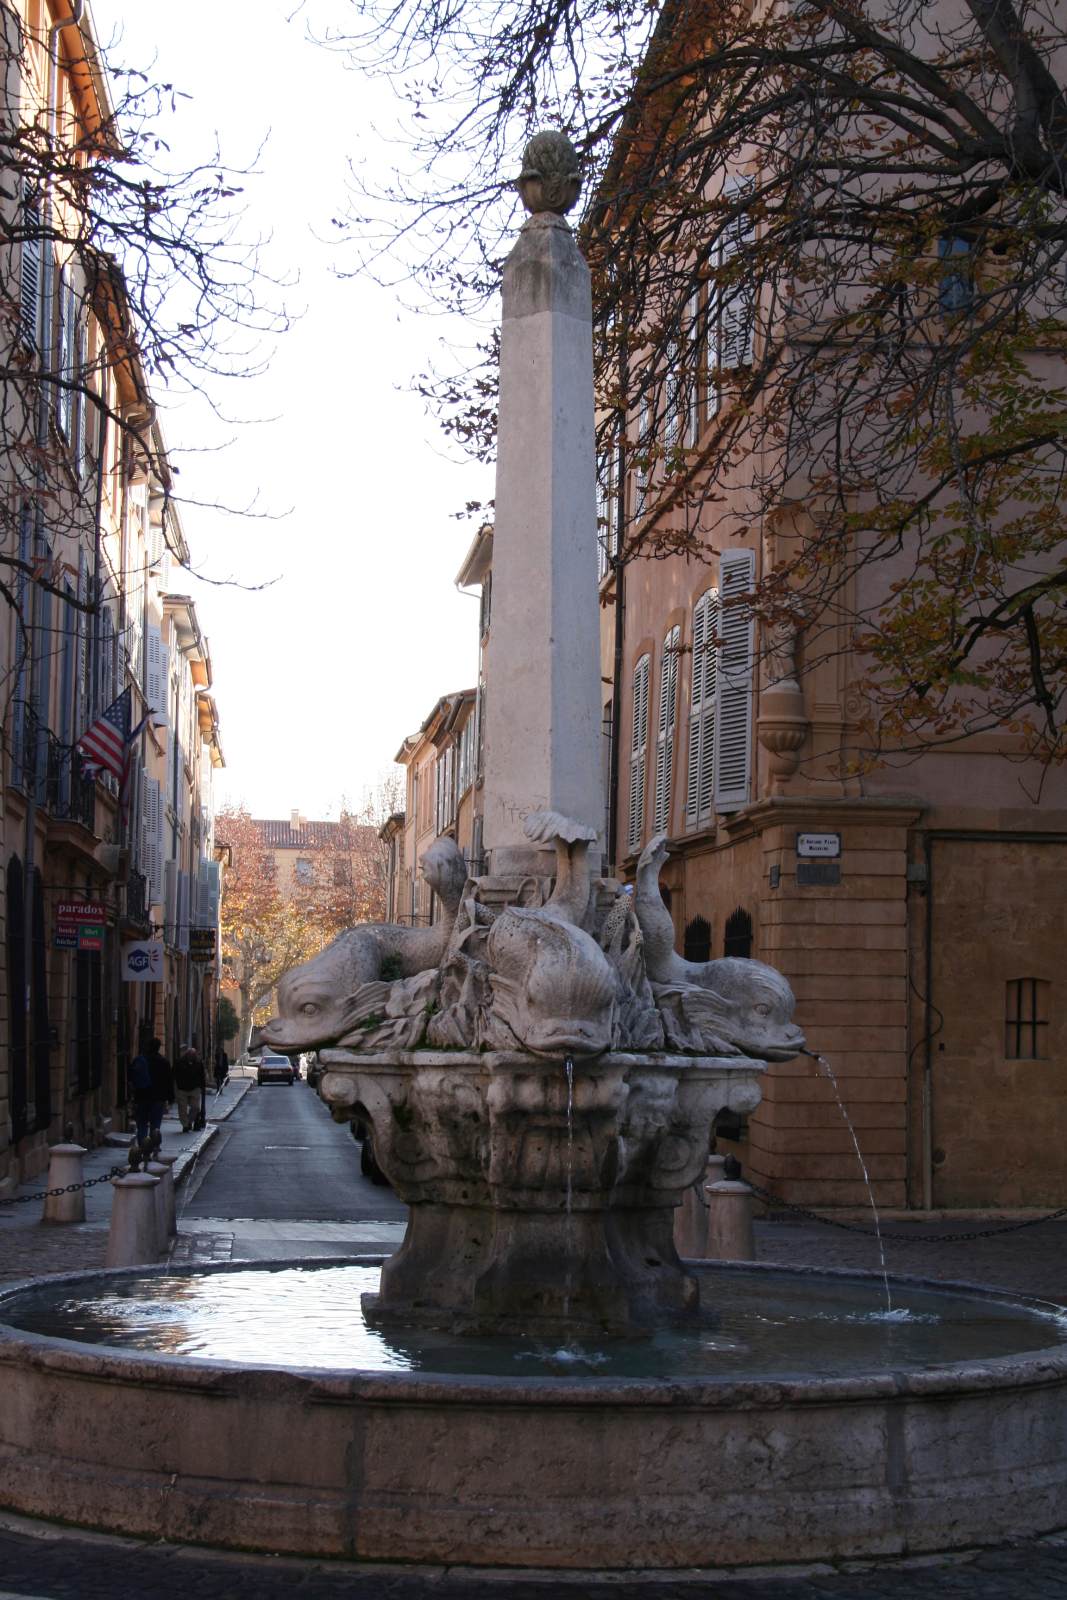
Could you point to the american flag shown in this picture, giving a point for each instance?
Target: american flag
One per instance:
(103, 744)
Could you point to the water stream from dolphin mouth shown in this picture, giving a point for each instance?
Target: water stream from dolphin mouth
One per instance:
(829, 1072)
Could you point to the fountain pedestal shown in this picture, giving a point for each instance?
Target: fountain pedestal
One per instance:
(539, 1205)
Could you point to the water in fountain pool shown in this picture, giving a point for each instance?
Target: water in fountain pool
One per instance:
(764, 1324)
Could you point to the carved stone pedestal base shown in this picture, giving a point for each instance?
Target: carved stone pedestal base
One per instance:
(541, 1201)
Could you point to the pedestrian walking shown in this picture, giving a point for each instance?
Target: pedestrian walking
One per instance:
(191, 1083)
(151, 1086)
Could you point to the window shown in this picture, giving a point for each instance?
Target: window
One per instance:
(638, 752)
(30, 275)
(67, 344)
(700, 792)
(956, 288)
(642, 453)
(672, 395)
(696, 944)
(485, 605)
(445, 809)
(342, 872)
(727, 326)
(737, 935)
(1026, 1019)
(696, 369)
(668, 705)
(607, 507)
(465, 765)
(733, 711)
(304, 870)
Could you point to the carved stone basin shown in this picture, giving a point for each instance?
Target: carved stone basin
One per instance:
(542, 1197)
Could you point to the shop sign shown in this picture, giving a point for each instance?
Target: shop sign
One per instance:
(142, 961)
(79, 925)
(80, 911)
(202, 944)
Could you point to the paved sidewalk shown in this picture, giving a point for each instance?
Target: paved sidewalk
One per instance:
(29, 1247)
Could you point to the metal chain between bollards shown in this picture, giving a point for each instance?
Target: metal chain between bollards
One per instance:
(69, 1188)
(902, 1238)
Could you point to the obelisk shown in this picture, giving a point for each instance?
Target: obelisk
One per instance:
(543, 694)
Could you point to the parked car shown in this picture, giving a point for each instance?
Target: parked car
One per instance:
(273, 1068)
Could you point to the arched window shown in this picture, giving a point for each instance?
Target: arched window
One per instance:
(737, 935)
(668, 707)
(638, 753)
(696, 945)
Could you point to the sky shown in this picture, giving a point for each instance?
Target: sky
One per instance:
(319, 677)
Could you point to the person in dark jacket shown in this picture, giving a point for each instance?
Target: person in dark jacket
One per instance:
(191, 1083)
(222, 1069)
(151, 1084)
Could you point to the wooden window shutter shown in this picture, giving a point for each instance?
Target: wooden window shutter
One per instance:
(738, 305)
(638, 752)
(733, 715)
(668, 709)
(700, 789)
(30, 270)
(153, 687)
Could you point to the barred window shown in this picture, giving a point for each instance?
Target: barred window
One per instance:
(1026, 1019)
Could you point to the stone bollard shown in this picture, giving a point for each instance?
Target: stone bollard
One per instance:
(165, 1208)
(691, 1219)
(65, 1166)
(730, 1235)
(134, 1236)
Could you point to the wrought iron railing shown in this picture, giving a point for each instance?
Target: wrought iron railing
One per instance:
(137, 898)
(28, 757)
(69, 795)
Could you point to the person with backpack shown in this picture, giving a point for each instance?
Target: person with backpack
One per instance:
(151, 1086)
(191, 1083)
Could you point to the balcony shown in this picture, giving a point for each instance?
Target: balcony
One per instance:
(69, 796)
(49, 772)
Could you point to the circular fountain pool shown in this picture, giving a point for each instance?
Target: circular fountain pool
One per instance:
(251, 1406)
(766, 1324)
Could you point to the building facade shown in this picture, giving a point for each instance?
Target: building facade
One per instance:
(97, 864)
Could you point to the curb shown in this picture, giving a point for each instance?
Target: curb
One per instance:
(188, 1158)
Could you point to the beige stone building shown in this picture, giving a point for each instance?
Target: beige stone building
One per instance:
(94, 864)
(917, 908)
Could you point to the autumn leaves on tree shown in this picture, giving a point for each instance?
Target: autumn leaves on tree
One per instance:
(829, 252)
(272, 918)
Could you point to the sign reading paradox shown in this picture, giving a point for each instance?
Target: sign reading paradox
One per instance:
(819, 846)
(79, 925)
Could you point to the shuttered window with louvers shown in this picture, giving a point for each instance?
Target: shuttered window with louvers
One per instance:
(668, 710)
(733, 716)
(30, 270)
(700, 789)
(638, 752)
(738, 311)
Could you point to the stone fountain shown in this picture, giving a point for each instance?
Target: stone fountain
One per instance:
(542, 1079)
(536, 1379)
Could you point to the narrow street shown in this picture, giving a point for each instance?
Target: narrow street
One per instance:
(281, 1178)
